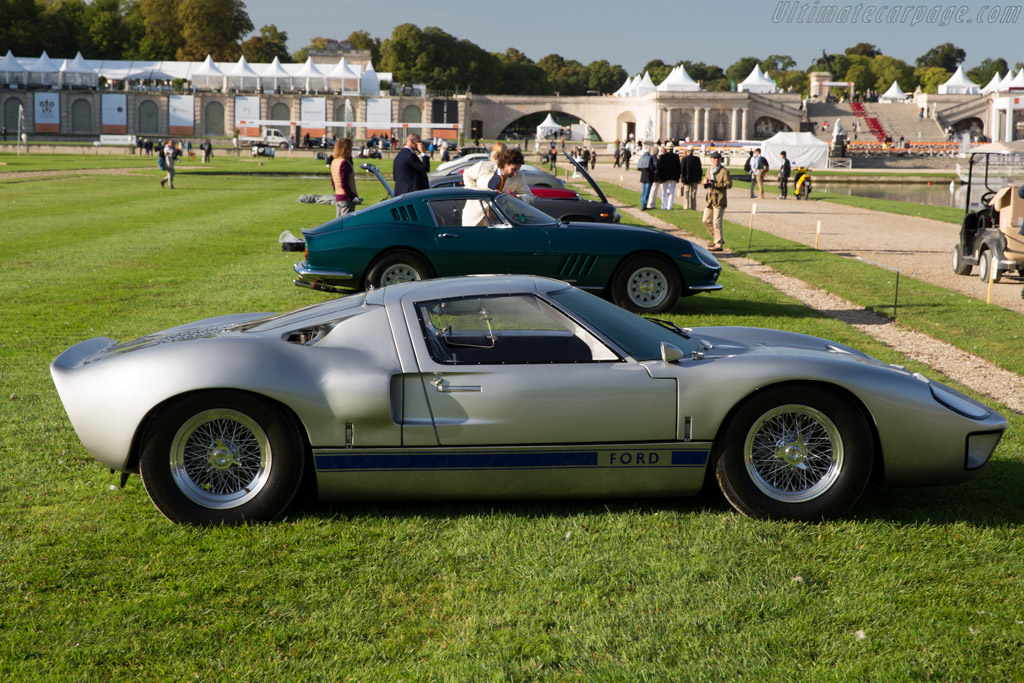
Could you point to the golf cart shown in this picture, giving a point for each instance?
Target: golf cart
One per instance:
(992, 236)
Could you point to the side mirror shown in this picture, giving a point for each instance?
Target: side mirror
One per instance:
(670, 353)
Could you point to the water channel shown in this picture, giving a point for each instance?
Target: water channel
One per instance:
(938, 193)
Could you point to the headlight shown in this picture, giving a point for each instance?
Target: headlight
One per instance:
(705, 256)
(957, 403)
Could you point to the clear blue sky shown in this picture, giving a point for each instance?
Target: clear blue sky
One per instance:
(632, 33)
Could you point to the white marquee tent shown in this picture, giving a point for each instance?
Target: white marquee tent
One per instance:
(548, 127)
(993, 85)
(893, 94)
(802, 149)
(757, 82)
(12, 70)
(242, 76)
(678, 81)
(959, 84)
(369, 81)
(209, 75)
(44, 71)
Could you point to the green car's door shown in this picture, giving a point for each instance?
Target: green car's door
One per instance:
(474, 237)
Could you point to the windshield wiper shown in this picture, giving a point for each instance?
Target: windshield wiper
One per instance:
(671, 326)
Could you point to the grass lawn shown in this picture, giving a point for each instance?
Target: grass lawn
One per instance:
(913, 584)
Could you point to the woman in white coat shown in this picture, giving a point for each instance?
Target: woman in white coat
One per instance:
(500, 174)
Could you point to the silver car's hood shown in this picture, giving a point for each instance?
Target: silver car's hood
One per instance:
(732, 341)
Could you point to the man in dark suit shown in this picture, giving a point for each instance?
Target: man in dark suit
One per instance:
(411, 166)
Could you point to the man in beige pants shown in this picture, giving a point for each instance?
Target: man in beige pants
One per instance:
(716, 185)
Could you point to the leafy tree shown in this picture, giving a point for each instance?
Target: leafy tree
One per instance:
(861, 77)
(62, 25)
(777, 64)
(212, 27)
(704, 73)
(361, 40)
(946, 56)
(864, 50)
(795, 81)
(741, 69)
(317, 43)
(107, 31)
(988, 68)
(931, 77)
(658, 70)
(270, 43)
(520, 75)
(888, 69)
(567, 77)
(19, 28)
(163, 36)
(604, 77)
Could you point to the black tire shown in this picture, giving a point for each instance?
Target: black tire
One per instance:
(283, 145)
(397, 266)
(222, 457)
(646, 283)
(794, 452)
(985, 264)
(959, 267)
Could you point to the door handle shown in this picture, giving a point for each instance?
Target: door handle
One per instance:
(448, 234)
(446, 388)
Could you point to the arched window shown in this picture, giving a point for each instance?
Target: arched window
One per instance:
(412, 114)
(281, 112)
(213, 119)
(149, 117)
(81, 116)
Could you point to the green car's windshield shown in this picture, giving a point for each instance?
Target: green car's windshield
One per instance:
(521, 213)
(638, 337)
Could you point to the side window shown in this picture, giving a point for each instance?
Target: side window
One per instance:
(505, 330)
(464, 212)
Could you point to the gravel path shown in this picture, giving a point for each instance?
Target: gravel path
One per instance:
(918, 247)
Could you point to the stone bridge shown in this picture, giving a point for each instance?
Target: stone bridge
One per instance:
(694, 115)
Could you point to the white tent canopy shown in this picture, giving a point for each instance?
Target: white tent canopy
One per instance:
(369, 81)
(757, 82)
(276, 73)
(993, 85)
(77, 72)
(959, 84)
(1018, 80)
(802, 149)
(547, 127)
(893, 94)
(309, 72)
(209, 75)
(678, 81)
(44, 71)
(12, 70)
(645, 86)
(1007, 81)
(241, 75)
(344, 77)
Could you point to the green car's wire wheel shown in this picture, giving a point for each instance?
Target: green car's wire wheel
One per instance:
(646, 284)
(794, 451)
(398, 266)
(222, 457)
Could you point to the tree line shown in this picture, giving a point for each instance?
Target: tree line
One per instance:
(189, 30)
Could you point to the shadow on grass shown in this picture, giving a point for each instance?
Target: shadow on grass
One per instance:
(990, 500)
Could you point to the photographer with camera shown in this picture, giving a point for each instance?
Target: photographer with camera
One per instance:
(716, 184)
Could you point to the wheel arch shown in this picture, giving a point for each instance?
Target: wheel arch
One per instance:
(877, 459)
(132, 464)
(644, 252)
(396, 247)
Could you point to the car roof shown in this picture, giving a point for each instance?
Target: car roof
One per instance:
(466, 285)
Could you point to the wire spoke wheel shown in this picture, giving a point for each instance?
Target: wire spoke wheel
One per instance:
(220, 459)
(793, 453)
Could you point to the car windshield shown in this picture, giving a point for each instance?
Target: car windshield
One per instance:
(637, 336)
(521, 213)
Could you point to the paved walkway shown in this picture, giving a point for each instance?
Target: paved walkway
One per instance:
(918, 247)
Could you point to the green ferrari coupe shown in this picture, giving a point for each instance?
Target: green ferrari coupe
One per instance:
(455, 231)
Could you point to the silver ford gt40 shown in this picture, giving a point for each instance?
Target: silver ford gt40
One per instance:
(506, 387)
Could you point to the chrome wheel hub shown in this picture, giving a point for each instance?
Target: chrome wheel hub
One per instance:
(220, 458)
(647, 287)
(793, 453)
(400, 272)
